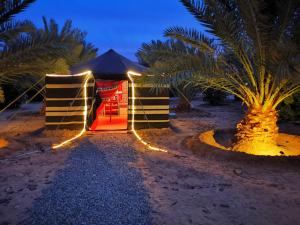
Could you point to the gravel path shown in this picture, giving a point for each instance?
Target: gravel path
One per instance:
(96, 187)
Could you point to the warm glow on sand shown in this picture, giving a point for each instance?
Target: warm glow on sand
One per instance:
(208, 138)
(287, 145)
(3, 143)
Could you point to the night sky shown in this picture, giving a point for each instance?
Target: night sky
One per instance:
(119, 24)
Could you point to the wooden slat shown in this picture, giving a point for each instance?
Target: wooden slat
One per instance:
(63, 93)
(149, 121)
(54, 119)
(148, 112)
(148, 85)
(146, 98)
(67, 93)
(63, 109)
(67, 85)
(64, 123)
(142, 102)
(149, 107)
(68, 103)
(66, 80)
(66, 99)
(149, 92)
(65, 126)
(78, 113)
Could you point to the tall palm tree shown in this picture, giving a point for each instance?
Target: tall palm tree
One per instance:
(263, 39)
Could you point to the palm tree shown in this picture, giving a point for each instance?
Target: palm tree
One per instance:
(8, 28)
(70, 40)
(26, 50)
(262, 38)
(172, 57)
(44, 50)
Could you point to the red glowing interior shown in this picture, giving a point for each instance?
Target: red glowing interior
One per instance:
(113, 110)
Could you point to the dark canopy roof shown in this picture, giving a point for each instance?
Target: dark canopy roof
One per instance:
(110, 65)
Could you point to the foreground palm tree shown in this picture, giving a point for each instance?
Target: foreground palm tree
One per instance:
(262, 38)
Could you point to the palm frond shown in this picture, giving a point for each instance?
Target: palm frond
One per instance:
(36, 51)
(148, 54)
(9, 8)
(10, 30)
(192, 37)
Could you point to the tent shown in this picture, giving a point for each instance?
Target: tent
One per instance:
(110, 65)
(109, 97)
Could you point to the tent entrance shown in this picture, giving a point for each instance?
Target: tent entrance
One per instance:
(112, 113)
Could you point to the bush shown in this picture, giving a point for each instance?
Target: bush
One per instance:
(214, 97)
(290, 108)
(11, 92)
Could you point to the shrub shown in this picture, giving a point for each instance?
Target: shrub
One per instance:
(214, 97)
(290, 108)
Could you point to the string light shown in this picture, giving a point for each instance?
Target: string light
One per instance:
(130, 74)
(88, 74)
(70, 75)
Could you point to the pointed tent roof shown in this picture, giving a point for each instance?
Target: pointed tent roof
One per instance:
(110, 65)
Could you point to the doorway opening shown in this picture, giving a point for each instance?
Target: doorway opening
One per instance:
(112, 113)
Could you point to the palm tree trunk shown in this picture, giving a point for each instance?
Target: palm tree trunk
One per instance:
(257, 133)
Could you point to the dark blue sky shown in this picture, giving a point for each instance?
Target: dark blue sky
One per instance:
(119, 24)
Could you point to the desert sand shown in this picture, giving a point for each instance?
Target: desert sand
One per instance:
(193, 183)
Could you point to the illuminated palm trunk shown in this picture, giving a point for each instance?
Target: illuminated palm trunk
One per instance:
(257, 133)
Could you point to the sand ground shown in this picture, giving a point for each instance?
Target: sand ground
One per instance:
(191, 184)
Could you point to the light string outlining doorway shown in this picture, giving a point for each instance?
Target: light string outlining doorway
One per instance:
(130, 74)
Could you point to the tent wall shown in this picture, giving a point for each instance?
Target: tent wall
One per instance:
(65, 101)
(151, 106)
